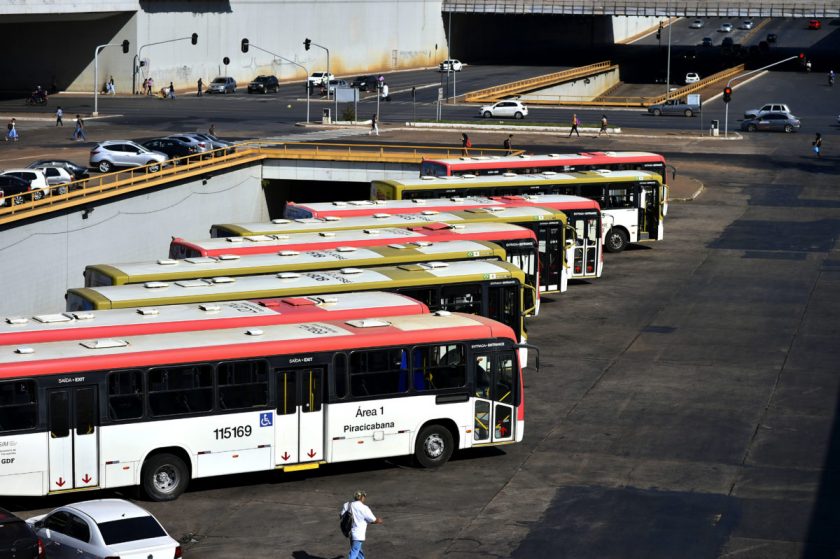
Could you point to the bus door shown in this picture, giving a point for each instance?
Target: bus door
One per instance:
(550, 236)
(73, 419)
(299, 427)
(525, 256)
(649, 218)
(495, 396)
(586, 262)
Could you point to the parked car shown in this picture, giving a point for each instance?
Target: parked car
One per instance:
(57, 176)
(772, 38)
(17, 538)
(814, 24)
(364, 83)
(192, 140)
(13, 189)
(172, 147)
(110, 154)
(692, 77)
(707, 41)
(780, 122)
(696, 24)
(264, 84)
(450, 65)
(36, 179)
(674, 107)
(747, 24)
(768, 108)
(214, 143)
(77, 171)
(513, 109)
(320, 78)
(104, 528)
(725, 28)
(338, 84)
(727, 43)
(222, 84)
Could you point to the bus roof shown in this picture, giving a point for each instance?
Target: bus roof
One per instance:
(255, 244)
(184, 347)
(206, 316)
(417, 205)
(512, 214)
(525, 160)
(290, 284)
(513, 179)
(288, 260)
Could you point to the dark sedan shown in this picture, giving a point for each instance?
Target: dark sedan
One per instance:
(365, 83)
(172, 148)
(15, 190)
(17, 539)
(264, 84)
(77, 171)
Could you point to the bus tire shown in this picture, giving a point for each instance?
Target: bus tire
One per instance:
(617, 240)
(434, 446)
(164, 477)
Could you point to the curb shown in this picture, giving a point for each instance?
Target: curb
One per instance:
(691, 197)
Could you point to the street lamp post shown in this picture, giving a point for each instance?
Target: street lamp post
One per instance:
(306, 44)
(124, 46)
(246, 44)
(668, 69)
(193, 38)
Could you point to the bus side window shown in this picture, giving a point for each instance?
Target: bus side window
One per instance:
(340, 376)
(18, 405)
(439, 367)
(425, 295)
(378, 372)
(125, 395)
(182, 389)
(461, 298)
(483, 376)
(242, 384)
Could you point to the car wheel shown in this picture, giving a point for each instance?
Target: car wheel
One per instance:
(788, 128)
(434, 446)
(105, 166)
(656, 112)
(518, 115)
(617, 240)
(38, 194)
(751, 128)
(487, 114)
(164, 477)
(18, 200)
(153, 167)
(62, 189)
(689, 113)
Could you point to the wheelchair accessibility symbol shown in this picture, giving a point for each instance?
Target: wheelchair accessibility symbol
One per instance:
(266, 419)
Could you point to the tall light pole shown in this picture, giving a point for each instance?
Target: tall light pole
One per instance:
(124, 45)
(668, 69)
(246, 44)
(192, 38)
(306, 44)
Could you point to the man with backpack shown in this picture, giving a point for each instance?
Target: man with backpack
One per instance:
(355, 516)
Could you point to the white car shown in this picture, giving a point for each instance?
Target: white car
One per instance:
(57, 176)
(36, 178)
(747, 24)
(513, 109)
(696, 24)
(725, 28)
(104, 528)
(320, 78)
(450, 65)
(692, 77)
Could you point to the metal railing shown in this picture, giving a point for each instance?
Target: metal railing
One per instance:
(512, 88)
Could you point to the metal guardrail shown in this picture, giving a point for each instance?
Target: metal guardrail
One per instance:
(99, 187)
(697, 86)
(497, 92)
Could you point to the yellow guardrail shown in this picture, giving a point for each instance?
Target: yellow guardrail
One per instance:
(505, 90)
(697, 86)
(99, 187)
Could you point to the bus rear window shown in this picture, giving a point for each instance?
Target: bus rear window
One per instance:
(18, 405)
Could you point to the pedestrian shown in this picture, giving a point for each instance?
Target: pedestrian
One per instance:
(58, 115)
(12, 133)
(817, 143)
(362, 516)
(603, 129)
(150, 86)
(200, 86)
(831, 78)
(112, 90)
(374, 125)
(507, 145)
(385, 96)
(145, 85)
(807, 65)
(79, 131)
(212, 130)
(575, 122)
(171, 91)
(466, 144)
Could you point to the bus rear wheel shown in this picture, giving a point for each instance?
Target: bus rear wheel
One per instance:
(617, 240)
(434, 446)
(164, 477)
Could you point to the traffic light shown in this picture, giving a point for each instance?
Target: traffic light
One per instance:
(194, 38)
(727, 94)
(306, 43)
(125, 46)
(245, 44)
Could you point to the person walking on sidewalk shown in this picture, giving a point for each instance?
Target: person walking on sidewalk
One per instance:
(58, 115)
(466, 144)
(171, 91)
(575, 122)
(79, 131)
(603, 129)
(150, 84)
(507, 145)
(212, 130)
(374, 126)
(12, 133)
(817, 143)
(362, 516)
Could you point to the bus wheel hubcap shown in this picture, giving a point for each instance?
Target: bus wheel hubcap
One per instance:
(165, 479)
(434, 446)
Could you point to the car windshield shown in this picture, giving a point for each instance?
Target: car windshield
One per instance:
(130, 529)
(262, 79)
(219, 80)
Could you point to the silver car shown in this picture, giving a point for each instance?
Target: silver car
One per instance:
(222, 84)
(513, 109)
(780, 122)
(110, 154)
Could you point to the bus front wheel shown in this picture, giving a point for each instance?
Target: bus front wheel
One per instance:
(165, 477)
(434, 446)
(617, 240)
